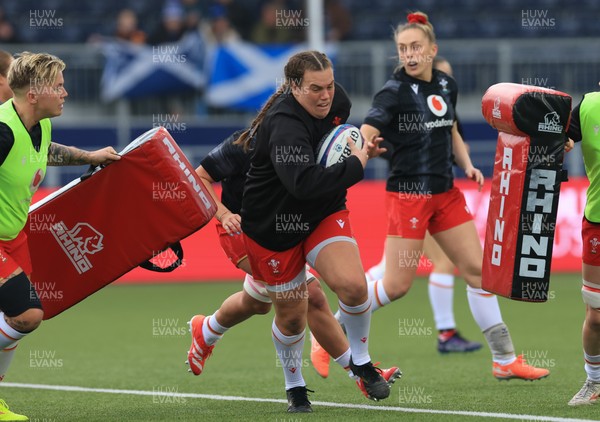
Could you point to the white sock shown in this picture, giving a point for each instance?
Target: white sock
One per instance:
(212, 330)
(357, 320)
(377, 294)
(484, 307)
(289, 352)
(486, 312)
(344, 359)
(505, 361)
(441, 297)
(6, 357)
(376, 271)
(9, 338)
(592, 366)
(8, 335)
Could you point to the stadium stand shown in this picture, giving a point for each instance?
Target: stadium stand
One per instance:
(454, 19)
(486, 42)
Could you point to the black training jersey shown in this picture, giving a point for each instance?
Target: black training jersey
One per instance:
(416, 117)
(228, 163)
(287, 194)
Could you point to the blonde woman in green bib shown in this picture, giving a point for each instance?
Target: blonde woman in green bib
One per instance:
(26, 148)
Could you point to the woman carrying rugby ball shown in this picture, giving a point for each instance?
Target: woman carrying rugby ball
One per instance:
(279, 191)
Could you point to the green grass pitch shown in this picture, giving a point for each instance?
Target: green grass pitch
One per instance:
(134, 337)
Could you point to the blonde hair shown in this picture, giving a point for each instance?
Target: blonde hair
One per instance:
(418, 20)
(294, 75)
(33, 69)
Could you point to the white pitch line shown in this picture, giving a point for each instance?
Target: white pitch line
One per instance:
(264, 400)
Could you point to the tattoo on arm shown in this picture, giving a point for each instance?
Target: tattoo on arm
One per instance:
(60, 155)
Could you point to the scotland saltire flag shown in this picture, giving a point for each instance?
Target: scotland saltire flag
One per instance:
(243, 75)
(134, 71)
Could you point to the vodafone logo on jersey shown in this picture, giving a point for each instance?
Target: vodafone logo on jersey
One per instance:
(437, 105)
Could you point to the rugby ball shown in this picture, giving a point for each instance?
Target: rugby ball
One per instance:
(334, 147)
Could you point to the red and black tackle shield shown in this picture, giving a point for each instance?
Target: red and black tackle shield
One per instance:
(532, 123)
(94, 230)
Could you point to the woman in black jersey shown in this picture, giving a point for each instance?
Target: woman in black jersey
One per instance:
(415, 112)
(441, 278)
(293, 211)
(228, 163)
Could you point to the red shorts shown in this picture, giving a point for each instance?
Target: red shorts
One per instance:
(285, 270)
(411, 215)
(233, 246)
(590, 237)
(14, 254)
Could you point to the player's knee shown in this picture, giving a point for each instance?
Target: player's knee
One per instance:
(473, 281)
(352, 290)
(396, 290)
(260, 308)
(292, 324)
(26, 321)
(256, 306)
(592, 319)
(316, 297)
(471, 271)
(291, 314)
(443, 266)
(20, 304)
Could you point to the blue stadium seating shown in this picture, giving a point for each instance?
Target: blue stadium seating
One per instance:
(372, 19)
